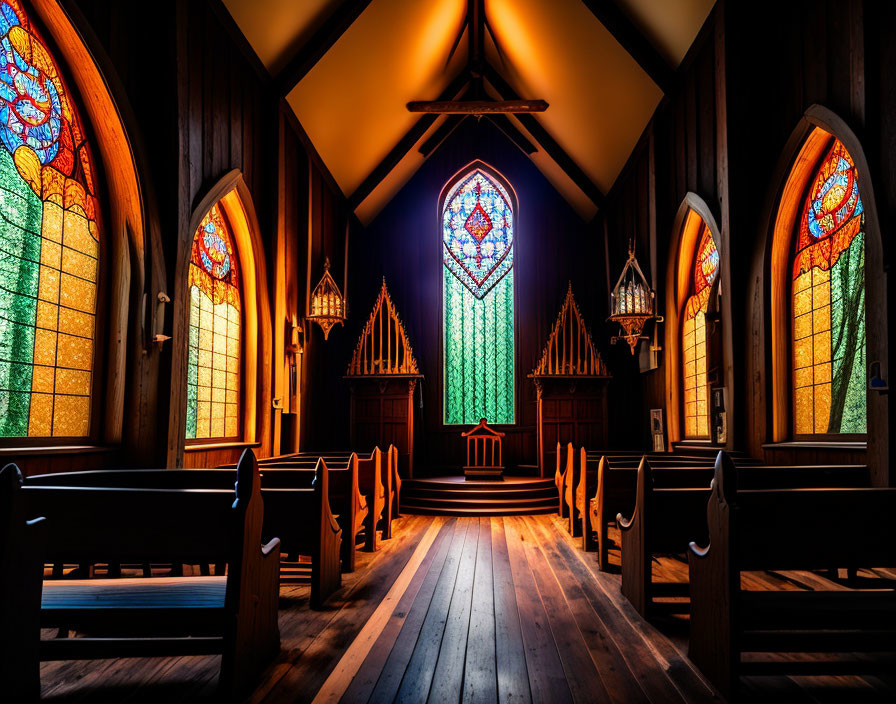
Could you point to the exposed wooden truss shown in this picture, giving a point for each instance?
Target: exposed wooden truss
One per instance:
(633, 41)
(405, 144)
(383, 348)
(545, 141)
(570, 350)
(477, 107)
(314, 50)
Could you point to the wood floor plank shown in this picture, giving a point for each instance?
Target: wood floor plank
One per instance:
(347, 667)
(374, 665)
(417, 678)
(449, 673)
(647, 644)
(547, 681)
(311, 663)
(386, 686)
(510, 654)
(479, 676)
(586, 633)
(582, 676)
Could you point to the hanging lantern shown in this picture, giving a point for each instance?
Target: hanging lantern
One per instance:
(327, 304)
(632, 302)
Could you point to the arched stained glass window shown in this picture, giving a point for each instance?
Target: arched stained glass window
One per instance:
(829, 302)
(49, 242)
(693, 337)
(477, 221)
(213, 371)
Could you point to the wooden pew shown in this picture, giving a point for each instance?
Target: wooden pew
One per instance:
(295, 511)
(234, 615)
(370, 481)
(609, 489)
(564, 462)
(669, 513)
(346, 500)
(390, 479)
(615, 482)
(22, 543)
(789, 529)
(396, 483)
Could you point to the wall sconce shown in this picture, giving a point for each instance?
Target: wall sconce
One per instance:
(327, 304)
(632, 302)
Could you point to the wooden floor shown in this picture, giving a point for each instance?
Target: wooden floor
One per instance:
(460, 609)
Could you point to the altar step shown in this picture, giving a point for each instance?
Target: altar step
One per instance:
(453, 496)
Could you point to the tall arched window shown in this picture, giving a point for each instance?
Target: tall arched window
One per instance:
(694, 338)
(477, 220)
(49, 242)
(213, 370)
(828, 301)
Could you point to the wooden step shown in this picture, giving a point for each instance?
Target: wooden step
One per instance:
(453, 496)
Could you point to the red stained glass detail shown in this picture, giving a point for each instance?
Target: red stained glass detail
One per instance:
(479, 224)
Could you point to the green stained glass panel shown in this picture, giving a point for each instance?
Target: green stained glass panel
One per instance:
(478, 352)
(20, 227)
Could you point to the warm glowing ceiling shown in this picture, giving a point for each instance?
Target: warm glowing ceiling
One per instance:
(352, 103)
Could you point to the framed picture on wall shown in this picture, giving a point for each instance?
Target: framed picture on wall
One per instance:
(658, 429)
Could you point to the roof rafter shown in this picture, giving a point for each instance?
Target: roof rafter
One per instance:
(545, 141)
(405, 144)
(320, 43)
(633, 41)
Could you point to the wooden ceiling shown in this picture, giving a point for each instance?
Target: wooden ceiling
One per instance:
(348, 68)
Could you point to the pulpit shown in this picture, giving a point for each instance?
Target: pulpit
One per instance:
(571, 388)
(484, 459)
(382, 377)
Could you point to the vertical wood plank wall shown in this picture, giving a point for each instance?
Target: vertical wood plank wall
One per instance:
(736, 106)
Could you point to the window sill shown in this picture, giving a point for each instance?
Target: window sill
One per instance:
(219, 446)
(856, 446)
(56, 450)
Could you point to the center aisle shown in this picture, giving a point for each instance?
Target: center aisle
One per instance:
(494, 608)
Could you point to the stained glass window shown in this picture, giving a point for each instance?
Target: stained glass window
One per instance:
(213, 371)
(829, 302)
(693, 338)
(49, 242)
(477, 293)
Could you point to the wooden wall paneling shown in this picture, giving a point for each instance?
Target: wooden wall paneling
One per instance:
(733, 279)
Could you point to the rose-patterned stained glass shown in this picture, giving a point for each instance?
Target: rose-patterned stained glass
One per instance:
(693, 338)
(213, 370)
(477, 293)
(829, 302)
(49, 242)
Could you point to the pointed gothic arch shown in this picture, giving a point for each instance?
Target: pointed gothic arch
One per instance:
(693, 221)
(231, 195)
(477, 215)
(122, 352)
(770, 365)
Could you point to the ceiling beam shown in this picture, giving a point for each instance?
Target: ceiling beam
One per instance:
(545, 141)
(476, 107)
(505, 124)
(633, 41)
(405, 144)
(319, 44)
(451, 123)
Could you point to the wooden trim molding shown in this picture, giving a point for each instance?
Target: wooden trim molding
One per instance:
(692, 213)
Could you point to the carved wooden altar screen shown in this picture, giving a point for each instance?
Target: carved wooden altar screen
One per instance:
(382, 376)
(571, 386)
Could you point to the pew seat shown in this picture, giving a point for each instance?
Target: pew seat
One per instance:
(234, 615)
(669, 512)
(784, 530)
